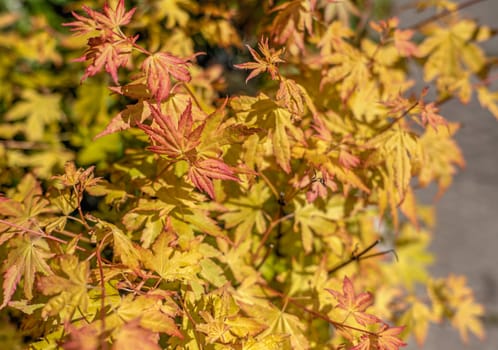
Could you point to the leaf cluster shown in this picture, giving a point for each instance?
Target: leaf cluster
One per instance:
(151, 207)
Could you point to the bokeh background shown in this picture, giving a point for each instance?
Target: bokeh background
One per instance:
(466, 235)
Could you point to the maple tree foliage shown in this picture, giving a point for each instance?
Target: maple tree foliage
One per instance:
(158, 203)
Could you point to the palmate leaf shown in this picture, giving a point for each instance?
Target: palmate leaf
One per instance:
(265, 113)
(109, 50)
(124, 248)
(158, 69)
(267, 63)
(173, 264)
(131, 116)
(175, 12)
(488, 100)
(27, 256)
(110, 20)
(416, 319)
(449, 50)
(441, 157)
(354, 304)
(283, 325)
(171, 139)
(39, 110)
(202, 173)
(23, 207)
(246, 213)
(71, 290)
(454, 300)
(310, 221)
(452, 56)
(106, 55)
(398, 149)
(133, 336)
(294, 18)
(152, 313)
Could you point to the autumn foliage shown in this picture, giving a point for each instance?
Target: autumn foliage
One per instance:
(229, 174)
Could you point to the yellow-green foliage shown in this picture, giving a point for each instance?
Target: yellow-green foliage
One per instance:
(163, 203)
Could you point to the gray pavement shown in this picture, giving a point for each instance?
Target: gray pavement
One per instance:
(466, 236)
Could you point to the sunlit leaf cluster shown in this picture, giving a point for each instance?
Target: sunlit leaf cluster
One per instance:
(180, 174)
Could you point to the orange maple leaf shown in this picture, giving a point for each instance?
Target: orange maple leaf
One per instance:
(354, 304)
(403, 44)
(175, 141)
(158, 68)
(202, 172)
(268, 62)
(385, 339)
(108, 21)
(108, 54)
(429, 116)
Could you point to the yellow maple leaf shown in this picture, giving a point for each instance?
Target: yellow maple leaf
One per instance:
(39, 109)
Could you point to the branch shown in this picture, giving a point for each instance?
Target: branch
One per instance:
(445, 13)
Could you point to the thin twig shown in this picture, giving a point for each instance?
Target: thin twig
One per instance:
(396, 120)
(270, 228)
(355, 257)
(102, 288)
(315, 313)
(37, 233)
(445, 13)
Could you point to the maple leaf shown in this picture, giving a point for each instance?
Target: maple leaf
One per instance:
(124, 248)
(429, 116)
(488, 100)
(39, 109)
(461, 307)
(158, 68)
(27, 256)
(106, 54)
(441, 156)
(343, 10)
(110, 20)
(293, 19)
(246, 212)
(310, 220)
(175, 11)
(350, 67)
(283, 323)
(267, 63)
(113, 18)
(354, 304)
(84, 338)
(175, 141)
(72, 291)
(79, 178)
(417, 319)
(22, 209)
(203, 171)
(292, 96)
(170, 263)
(154, 311)
(399, 150)
(132, 115)
(132, 336)
(451, 55)
(403, 44)
(387, 338)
